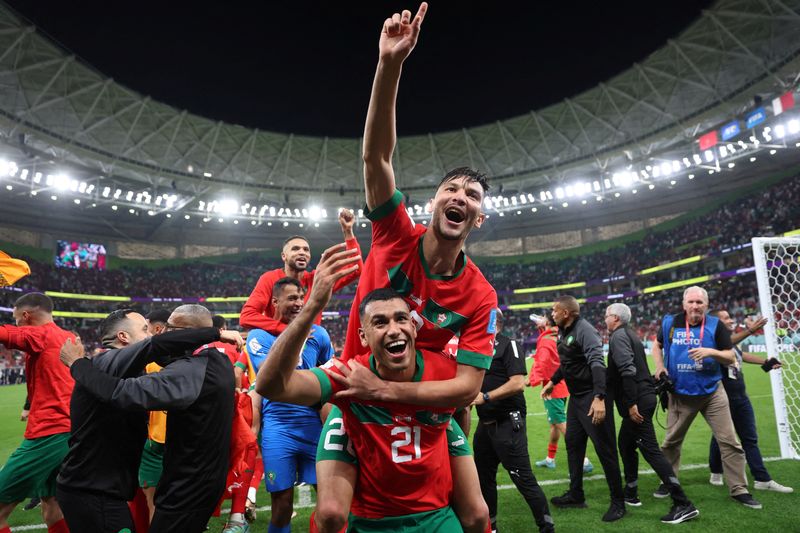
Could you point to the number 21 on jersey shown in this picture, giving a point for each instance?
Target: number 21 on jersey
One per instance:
(404, 434)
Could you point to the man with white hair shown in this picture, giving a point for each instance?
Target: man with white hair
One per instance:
(689, 348)
(632, 389)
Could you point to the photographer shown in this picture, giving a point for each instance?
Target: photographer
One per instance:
(689, 348)
(631, 388)
(501, 435)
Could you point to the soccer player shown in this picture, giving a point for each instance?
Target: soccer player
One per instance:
(258, 311)
(31, 469)
(399, 442)
(238, 358)
(98, 475)
(446, 292)
(289, 444)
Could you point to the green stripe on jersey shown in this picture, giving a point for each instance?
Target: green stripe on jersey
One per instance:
(443, 317)
(371, 414)
(429, 418)
(399, 281)
(386, 208)
(477, 360)
(324, 383)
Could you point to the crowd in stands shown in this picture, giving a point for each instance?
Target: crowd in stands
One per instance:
(770, 211)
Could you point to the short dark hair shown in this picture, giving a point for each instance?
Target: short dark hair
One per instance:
(716, 312)
(33, 300)
(378, 295)
(158, 315)
(218, 321)
(570, 304)
(465, 172)
(548, 317)
(111, 325)
(293, 237)
(277, 289)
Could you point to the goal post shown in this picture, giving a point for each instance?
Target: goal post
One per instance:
(777, 264)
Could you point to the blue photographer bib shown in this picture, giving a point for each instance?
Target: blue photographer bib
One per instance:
(690, 378)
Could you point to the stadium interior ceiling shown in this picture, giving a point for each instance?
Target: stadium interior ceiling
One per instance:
(82, 156)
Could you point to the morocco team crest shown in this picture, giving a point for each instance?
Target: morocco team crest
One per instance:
(441, 319)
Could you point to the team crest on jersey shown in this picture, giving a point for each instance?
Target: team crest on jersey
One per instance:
(253, 345)
(271, 477)
(569, 340)
(441, 319)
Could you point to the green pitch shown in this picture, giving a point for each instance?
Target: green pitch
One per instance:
(717, 511)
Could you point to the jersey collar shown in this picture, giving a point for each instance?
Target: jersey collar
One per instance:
(417, 373)
(428, 273)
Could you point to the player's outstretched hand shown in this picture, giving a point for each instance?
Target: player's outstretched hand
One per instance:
(232, 337)
(359, 381)
(336, 263)
(755, 324)
(71, 351)
(399, 35)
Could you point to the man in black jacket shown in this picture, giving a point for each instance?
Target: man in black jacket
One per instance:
(197, 390)
(589, 412)
(501, 435)
(631, 387)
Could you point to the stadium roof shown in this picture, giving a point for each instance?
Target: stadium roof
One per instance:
(56, 108)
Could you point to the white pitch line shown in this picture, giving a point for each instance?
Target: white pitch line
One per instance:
(544, 483)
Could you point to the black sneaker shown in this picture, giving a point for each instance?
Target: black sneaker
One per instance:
(632, 497)
(615, 512)
(661, 492)
(568, 501)
(33, 504)
(680, 513)
(747, 500)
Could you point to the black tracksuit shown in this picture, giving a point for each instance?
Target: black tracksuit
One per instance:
(99, 473)
(497, 442)
(629, 384)
(198, 393)
(580, 352)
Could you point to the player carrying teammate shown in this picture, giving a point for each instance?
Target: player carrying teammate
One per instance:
(31, 469)
(446, 292)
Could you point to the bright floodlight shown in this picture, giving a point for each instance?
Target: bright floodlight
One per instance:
(794, 126)
(314, 213)
(709, 155)
(780, 131)
(228, 206)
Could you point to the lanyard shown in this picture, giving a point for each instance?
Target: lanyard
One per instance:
(702, 330)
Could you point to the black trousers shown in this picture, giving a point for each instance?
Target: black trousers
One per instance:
(495, 443)
(194, 521)
(579, 430)
(642, 436)
(93, 512)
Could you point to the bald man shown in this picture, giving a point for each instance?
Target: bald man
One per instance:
(197, 390)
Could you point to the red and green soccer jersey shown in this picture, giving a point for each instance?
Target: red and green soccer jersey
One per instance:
(404, 466)
(442, 306)
(49, 381)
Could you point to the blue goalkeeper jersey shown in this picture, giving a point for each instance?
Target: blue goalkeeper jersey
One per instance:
(316, 351)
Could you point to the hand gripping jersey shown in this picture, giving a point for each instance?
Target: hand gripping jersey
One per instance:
(442, 306)
(402, 451)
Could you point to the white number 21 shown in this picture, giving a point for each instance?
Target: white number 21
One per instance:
(404, 432)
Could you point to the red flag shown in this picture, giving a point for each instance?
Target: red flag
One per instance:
(708, 140)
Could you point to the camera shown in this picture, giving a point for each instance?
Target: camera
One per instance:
(663, 386)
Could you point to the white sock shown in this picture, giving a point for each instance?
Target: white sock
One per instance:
(251, 494)
(237, 517)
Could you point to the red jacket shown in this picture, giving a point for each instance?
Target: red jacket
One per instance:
(258, 311)
(546, 363)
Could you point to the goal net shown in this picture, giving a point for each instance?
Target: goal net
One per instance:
(777, 263)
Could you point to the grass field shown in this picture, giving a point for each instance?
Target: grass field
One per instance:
(717, 511)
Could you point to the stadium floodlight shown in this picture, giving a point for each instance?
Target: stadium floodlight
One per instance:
(151, 212)
(697, 159)
(50, 180)
(533, 209)
(731, 148)
(169, 215)
(487, 203)
(753, 159)
(780, 131)
(598, 198)
(656, 171)
(314, 212)
(634, 191)
(773, 152)
(171, 199)
(90, 188)
(514, 200)
(207, 174)
(596, 186)
(686, 162)
(723, 152)
(34, 193)
(304, 211)
(37, 177)
(24, 174)
(569, 191)
(228, 206)
(666, 168)
(54, 197)
(731, 164)
(253, 222)
(565, 204)
(616, 195)
(505, 201)
(672, 182)
(519, 212)
(709, 156)
(793, 126)
(253, 211)
(583, 202)
(220, 220)
(82, 187)
(138, 198)
(651, 186)
(522, 199)
(73, 185)
(543, 196)
(235, 220)
(131, 211)
(676, 166)
(114, 208)
(187, 217)
(691, 176)
(4, 167)
(11, 188)
(286, 224)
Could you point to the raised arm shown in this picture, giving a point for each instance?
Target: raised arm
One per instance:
(347, 220)
(278, 379)
(398, 38)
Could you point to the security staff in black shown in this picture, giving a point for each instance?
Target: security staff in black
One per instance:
(631, 387)
(197, 391)
(589, 413)
(501, 435)
(99, 474)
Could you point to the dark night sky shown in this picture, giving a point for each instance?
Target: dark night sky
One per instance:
(306, 67)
